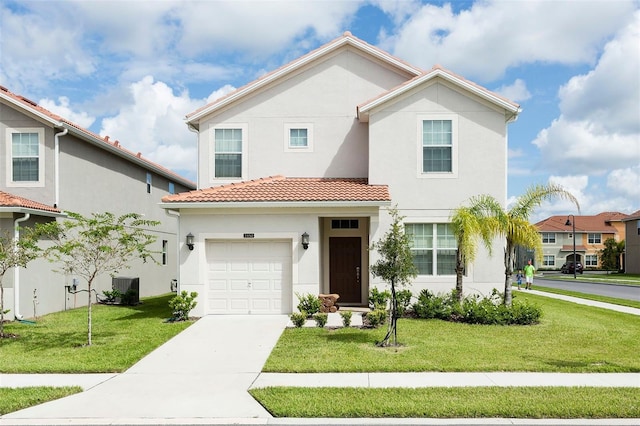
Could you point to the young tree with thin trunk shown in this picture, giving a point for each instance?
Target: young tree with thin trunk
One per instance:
(395, 266)
(91, 246)
(13, 254)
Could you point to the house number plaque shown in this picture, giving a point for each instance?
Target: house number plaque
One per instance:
(248, 235)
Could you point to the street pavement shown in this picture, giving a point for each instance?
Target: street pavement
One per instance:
(202, 375)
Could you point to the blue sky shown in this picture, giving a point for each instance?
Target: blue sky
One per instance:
(133, 69)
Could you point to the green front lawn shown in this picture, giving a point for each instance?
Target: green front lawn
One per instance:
(478, 402)
(122, 335)
(571, 338)
(12, 399)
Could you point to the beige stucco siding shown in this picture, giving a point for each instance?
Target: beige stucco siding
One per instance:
(325, 97)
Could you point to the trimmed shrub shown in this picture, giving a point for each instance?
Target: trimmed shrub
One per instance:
(476, 309)
(346, 318)
(375, 318)
(320, 318)
(182, 304)
(309, 303)
(298, 318)
(403, 298)
(378, 299)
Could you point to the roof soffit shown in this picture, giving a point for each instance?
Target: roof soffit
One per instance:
(305, 61)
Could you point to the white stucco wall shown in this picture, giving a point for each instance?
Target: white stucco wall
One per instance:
(324, 95)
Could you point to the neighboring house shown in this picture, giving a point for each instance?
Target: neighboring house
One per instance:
(591, 233)
(51, 165)
(296, 171)
(632, 243)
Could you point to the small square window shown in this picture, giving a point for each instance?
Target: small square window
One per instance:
(298, 137)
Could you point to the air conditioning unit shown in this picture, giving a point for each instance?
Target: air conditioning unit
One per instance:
(124, 285)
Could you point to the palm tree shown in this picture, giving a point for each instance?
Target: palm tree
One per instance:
(513, 224)
(468, 224)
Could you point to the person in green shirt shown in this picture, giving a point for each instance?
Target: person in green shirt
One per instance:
(529, 270)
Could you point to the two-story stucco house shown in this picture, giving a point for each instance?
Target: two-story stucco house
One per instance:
(590, 234)
(297, 169)
(51, 165)
(632, 243)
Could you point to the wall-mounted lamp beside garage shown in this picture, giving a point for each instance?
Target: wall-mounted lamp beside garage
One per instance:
(190, 241)
(305, 241)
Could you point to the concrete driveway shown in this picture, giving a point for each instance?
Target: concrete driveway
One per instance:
(204, 372)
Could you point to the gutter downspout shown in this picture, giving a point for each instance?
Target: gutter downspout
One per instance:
(56, 156)
(176, 214)
(16, 270)
(195, 130)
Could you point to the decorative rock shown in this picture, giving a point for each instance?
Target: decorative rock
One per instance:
(328, 302)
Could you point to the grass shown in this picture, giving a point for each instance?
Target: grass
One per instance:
(12, 399)
(571, 338)
(122, 335)
(478, 402)
(605, 299)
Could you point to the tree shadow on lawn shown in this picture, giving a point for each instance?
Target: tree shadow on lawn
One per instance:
(591, 366)
(343, 335)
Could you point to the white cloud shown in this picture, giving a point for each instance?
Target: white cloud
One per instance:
(63, 109)
(517, 91)
(34, 51)
(154, 124)
(492, 36)
(598, 130)
(626, 182)
(258, 28)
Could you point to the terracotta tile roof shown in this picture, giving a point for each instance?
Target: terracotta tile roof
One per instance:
(57, 120)
(596, 223)
(10, 200)
(569, 247)
(285, 189)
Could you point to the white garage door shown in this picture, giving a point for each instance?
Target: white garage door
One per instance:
(249, 277)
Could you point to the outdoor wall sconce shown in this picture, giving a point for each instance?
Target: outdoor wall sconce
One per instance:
(190, 241)
(305, 241)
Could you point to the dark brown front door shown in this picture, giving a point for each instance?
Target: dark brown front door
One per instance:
(345, 268)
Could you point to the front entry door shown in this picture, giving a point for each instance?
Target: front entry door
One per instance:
(345, 268)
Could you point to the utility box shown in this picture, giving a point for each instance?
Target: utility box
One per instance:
(129, 288)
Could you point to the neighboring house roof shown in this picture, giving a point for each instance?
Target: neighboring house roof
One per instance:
(285, 190)
(87, 135)
(596, 223)
(633, 216)
(16, 204)
(438, 71)
(346, 39)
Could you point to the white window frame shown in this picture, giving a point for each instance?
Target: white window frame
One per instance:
(434, 248)
(548, 260)
(212, 155)
(287, 137)
(9, 162)
(588, 260)
(454, 146)
(546, 236)
(593, 236)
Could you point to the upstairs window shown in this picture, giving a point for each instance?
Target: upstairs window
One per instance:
(25, 157)
(172, 188)
(298, 137)
(548, 237)
(148, 183)
(228, 153)
(594, 238)
(437, 146)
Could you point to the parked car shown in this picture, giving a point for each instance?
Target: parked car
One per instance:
(567, 268)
